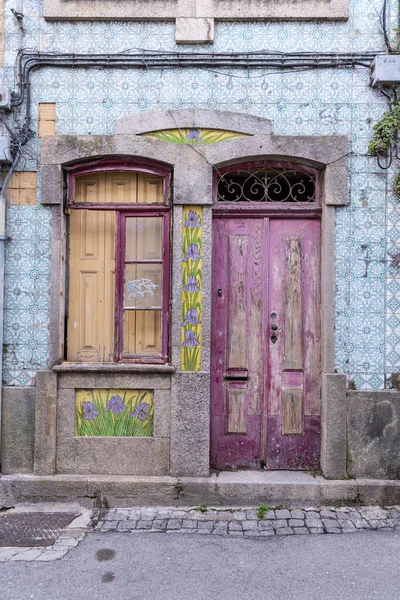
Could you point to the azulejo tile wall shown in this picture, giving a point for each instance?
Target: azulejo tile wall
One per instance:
(315, 102)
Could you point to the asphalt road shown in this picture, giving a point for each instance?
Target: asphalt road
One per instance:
(144, 566)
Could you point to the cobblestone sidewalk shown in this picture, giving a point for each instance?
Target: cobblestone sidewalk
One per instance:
(246, 522)
(233, 522)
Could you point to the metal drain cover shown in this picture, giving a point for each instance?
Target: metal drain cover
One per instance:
(32, 529)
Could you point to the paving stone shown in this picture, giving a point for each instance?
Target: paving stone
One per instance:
(297, 514)
(361, 524)
(110, 525)
(174, 524)
(7, 552)
(235, 526)
(251, 515)
(270, 515)
(239, 515)
(325, 513)
(144, 524)
(349, 530)
(48, 556)
(267, 533)
(163, 514)
(221, 528)
(135, 514)
(314, 523)
(301, 531)
(280, 523)
(251, 534)
(373, 512)
(296, 523)
(67, 542)
(346, 523)
(316, 529)
(250, 526)
(390, 522)
(377, 523)
(312, 514)
(284, 531)
(224, 515)
(179, 514)
(28, 555)
(109, 515)
(121, 515)
(331, 529)
(282, 514)
(160, 524)
(126, 526)
(354, 514)
(330, 522)
(189, 524)
(148, 514)
(236, 534)
(99, 525)
(205, 525)
(394, 513)
(266, 525)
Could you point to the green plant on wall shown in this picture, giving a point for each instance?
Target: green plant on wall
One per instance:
(385, 135)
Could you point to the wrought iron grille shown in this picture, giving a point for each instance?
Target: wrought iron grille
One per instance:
(266, 185)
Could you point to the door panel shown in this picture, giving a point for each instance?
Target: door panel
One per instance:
(265, 390)
(237, 376)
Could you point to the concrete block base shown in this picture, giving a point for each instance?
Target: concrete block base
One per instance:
(243, 488)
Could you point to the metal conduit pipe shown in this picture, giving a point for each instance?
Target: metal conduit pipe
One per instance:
(28, 61)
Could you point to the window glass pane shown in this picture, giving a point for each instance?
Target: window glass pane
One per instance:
(143, 285)
(142, 332)
(144, 238)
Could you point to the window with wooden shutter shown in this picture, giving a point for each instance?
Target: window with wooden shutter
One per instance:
(118, 268)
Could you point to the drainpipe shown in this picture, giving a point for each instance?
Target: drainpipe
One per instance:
(19, 14)
(3, 239)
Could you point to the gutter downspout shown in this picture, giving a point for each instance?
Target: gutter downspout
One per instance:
(3, 239)
(19, 15)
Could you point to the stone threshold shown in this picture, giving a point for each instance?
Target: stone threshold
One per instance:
(241, 488)
(113, 368)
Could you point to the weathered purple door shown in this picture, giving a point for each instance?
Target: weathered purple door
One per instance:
(265, 390)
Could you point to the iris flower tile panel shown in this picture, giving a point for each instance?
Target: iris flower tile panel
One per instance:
(114, 413)
(192, 284)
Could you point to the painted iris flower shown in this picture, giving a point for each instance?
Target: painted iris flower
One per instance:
(192, 317)
(141, 411)
(192, 253)
(116, 405)
(194, 136)
(192, 285)
(192, 220)
(190, 339)
(89, 411)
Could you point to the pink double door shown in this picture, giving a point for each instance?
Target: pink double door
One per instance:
(265, 377)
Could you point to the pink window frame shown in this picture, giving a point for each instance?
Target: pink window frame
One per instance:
(122, 212)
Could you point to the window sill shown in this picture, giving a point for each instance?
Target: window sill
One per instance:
(69, 367)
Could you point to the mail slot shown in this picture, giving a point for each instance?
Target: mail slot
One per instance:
(237, 375)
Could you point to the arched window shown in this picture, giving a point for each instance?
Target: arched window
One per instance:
(118, 263)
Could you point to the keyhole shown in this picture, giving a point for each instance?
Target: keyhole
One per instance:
(219, 292)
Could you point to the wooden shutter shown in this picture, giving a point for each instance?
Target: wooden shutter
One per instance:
(90, 332)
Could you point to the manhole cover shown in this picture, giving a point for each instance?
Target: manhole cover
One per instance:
(32, 529)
